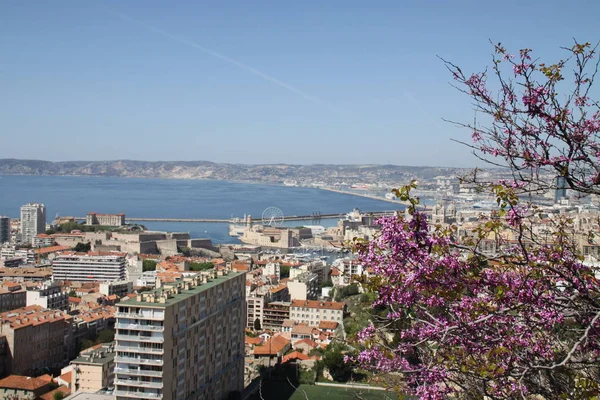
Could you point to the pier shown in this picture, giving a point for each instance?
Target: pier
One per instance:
(313, 217)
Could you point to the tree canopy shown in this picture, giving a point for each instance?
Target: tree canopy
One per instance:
(522, 320)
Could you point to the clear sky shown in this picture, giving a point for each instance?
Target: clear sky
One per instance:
(257, 82)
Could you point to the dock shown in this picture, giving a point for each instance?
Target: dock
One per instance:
(313, 217)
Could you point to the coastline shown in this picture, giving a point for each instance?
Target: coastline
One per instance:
(367, 196)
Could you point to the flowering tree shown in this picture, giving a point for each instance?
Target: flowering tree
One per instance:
(529, 125)
(524, 320)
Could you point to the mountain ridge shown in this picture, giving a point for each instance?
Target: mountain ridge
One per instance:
(263, 173)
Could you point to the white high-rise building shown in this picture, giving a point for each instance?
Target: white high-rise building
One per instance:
(4, 229)
(92, 266)
(33, 221)
(184, 340)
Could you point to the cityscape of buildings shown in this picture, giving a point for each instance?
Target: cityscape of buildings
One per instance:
(128, 313)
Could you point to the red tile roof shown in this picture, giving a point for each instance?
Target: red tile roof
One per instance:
(22, 383)
(272, 346)
(295, 355)
(328, 305)
(50, 395)
(328, 325)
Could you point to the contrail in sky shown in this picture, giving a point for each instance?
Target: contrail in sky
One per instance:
(238, 64)
(418, 106)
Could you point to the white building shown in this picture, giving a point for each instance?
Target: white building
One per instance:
(312, 312)
(93, 266)
(43, 240)
(304, 286)
(33, 221)
(272, 268)
(182, 341)
(48, 295)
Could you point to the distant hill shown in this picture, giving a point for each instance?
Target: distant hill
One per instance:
(266, 173)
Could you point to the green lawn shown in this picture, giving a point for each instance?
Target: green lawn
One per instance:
(283, 391)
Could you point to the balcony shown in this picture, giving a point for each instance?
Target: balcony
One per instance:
(136, 382)
(138, 372)
(144, 361)
(140, 327)
(136, 338)
(139, 349)
(154, 317)
(137, 395)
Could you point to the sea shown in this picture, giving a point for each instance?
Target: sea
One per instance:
(175, 198)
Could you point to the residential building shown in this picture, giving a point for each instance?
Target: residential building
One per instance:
(183, 340)
(12, 295)
(304, 287)
(120, 288)
(23, 387)
(26, 274)
(274, 314)
(48, 295)
(43, 240)
(91, 266)
(38, 338)
(4, 229)
(93, 218)
(273, 348)
(94, 370)
(33, 221)
(313, 311)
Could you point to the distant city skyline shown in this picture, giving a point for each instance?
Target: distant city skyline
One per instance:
(258, 83)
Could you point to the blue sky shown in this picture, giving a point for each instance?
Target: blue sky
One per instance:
(257, 82)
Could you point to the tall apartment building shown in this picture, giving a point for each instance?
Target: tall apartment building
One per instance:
(4, 229)
(33, 221)
(37, 338)
(184, 340)
(91, 266)
(48, 295)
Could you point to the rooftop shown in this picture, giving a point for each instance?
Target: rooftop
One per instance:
(22, 383)
(329, 305)
(177, 291)
(32, 316)
(99, 356)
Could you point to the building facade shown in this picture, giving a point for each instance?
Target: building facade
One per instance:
(119, 288)
(4, 229)
(37, 338)
(105, 219)
(184, 340)
(93, 266)
(33, 221)
(94, 370)
(48, 295)
(43, 240)
(312, 312)
(12, 295)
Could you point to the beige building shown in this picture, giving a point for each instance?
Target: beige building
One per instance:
(94, 369)
(37, 338)
(93, 218)
(183, 340)
(312, 312)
